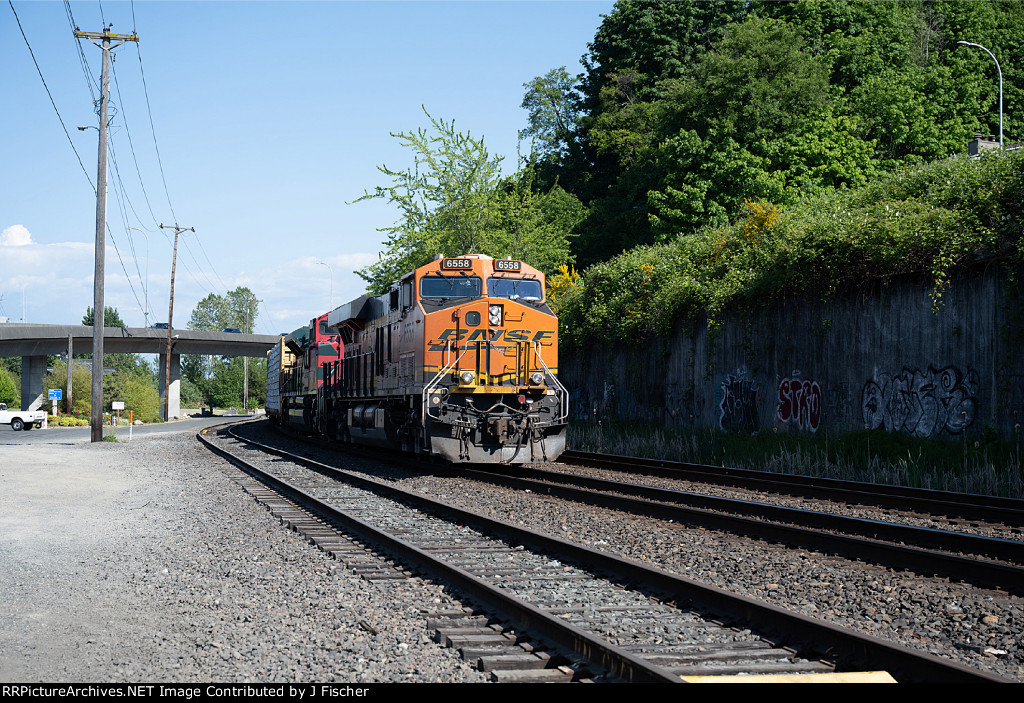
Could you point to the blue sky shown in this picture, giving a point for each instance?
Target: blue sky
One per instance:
(271, 118)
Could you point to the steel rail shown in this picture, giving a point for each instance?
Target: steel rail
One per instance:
(853, 648)
(619, 662)
(969, 505)
(900, 545)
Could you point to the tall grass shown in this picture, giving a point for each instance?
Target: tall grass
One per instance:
(988, 466)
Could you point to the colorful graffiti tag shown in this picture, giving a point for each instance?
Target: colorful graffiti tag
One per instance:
(799, 402)
(923, 403)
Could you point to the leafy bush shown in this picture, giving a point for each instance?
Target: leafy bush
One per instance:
(66, 421)
(9, 392)
(140, 396)
(81, 386)
(930, 221)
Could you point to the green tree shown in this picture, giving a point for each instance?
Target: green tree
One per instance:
(111, 317)
(81, 385)
(534, 227)
(9, 392)
(454, 201)
(236, 310)
(687, 109)
(226, 385)
(653, 40)
(133, 363)
(210, 314)
(207, 380)
(191, 395)
(139, 395)
(196, 371)
(12, 365)
(445, 200)
(553, 114)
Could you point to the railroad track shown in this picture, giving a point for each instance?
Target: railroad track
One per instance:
(980, 560)
(569, 611)
(957, 507)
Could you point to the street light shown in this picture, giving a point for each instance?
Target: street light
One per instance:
(145, 313)
(320, 261)
(1000, 72)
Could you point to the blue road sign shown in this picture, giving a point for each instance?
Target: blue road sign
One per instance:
(54, 394)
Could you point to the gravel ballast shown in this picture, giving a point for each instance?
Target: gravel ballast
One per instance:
(977, 627)
(143, 561)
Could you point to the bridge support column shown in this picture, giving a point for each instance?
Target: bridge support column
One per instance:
(174, 397)
(33, 368)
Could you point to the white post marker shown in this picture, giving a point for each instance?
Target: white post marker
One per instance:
(118, 405)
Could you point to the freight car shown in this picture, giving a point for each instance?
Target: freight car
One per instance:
(459, 360)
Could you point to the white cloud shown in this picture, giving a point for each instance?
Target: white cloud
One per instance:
(16, 236)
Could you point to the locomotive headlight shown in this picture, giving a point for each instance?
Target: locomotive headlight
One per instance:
(536, 378)
(494, 315)
(466, 378)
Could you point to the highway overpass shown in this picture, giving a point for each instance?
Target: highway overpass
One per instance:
(34, 342)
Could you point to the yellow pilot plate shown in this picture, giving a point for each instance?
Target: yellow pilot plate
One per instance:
(830, 677)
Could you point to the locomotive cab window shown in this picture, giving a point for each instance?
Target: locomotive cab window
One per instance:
(515, 289)
(450, 287)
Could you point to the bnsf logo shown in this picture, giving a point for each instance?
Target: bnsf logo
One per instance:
(452, 335)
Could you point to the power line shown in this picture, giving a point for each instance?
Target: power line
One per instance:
(39, 70)
(212, 267)
(268, 316)
(149, 109)
(131, 146)
(90, 80)
(122, 197)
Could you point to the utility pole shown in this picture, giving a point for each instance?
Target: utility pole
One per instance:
(101, 220)
(170, 317)
(71, 348)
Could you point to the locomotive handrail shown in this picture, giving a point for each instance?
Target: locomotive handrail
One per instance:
(427, 389)
(564, 394)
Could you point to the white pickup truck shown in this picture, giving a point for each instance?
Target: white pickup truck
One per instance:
(21, 419)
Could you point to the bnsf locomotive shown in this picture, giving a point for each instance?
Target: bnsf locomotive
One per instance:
(458, 360)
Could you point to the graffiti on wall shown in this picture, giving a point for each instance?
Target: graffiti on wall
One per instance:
(923, 403)
(740, 402)
(799, 402)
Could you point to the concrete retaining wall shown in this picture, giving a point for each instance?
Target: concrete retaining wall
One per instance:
(883, 361)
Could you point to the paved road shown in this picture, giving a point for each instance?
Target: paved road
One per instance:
(73, 435)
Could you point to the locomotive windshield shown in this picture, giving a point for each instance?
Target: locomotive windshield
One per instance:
(515, 288)
(450, 287)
